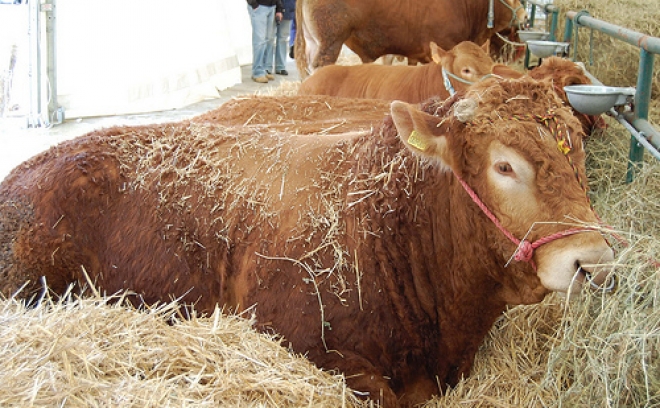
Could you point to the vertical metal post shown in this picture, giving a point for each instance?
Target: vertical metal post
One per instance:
(642, 100)
(568, 30)
(530, 23)
(553, 24)
(34, 65)
(532, 15)
(55, 113)
(43, 100)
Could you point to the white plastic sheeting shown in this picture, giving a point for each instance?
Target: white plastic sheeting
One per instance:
(131, 56)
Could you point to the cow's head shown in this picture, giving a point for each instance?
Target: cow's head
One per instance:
(563, 72)
(466, 61)
(518, 13)
(520, 150)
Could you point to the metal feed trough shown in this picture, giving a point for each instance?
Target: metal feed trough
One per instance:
(552, 16)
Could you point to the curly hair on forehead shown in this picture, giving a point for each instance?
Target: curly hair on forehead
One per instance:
(497, 99)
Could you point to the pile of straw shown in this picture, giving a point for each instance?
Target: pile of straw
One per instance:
(101, 352)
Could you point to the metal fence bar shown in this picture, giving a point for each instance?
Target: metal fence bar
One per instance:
(35, 117)
(648, 43)
(644, 135)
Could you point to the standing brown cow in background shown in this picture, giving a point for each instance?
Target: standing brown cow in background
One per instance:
(372, 28)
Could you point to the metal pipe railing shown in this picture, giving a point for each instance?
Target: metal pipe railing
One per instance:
(637, 120)
(644, 41)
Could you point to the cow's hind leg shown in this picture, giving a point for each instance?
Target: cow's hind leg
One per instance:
(324, 33)
(16, 218)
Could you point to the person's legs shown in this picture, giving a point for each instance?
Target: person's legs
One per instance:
(259, 18)
(270, 46)
(292, 38)
(281, 47)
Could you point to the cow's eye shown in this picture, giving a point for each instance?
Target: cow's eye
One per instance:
(466, 71)
(504, 168)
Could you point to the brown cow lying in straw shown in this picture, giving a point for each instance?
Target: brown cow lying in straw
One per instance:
(449, 72)
(385, 254)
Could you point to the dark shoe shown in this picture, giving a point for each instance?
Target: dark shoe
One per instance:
(291, 54)
(282, 72)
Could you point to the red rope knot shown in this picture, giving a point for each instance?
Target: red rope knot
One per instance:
(525, 251)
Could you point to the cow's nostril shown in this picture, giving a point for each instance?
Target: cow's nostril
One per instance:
(609, 285)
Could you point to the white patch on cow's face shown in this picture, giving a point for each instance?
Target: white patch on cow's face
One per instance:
(469, 73)
(559, 261)
(513, 180)
(472, 67)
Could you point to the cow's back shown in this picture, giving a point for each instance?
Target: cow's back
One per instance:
(205, 188)
(411, 84)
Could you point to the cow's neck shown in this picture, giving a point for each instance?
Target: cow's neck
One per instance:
(421, 227)
(443, 277)
(469, 307)
(477, 19)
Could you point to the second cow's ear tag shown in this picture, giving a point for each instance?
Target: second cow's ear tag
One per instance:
(416, 141)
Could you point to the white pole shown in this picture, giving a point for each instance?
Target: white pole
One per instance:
(34, 65)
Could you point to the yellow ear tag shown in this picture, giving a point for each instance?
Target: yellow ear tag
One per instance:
(416, 141)
(563, 146)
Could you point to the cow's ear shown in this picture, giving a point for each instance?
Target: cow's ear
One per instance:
(437, 53)
(486, 46)
(422, 133)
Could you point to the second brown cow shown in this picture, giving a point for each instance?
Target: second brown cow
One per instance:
(449, 72)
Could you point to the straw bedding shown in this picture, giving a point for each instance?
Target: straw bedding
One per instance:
(596, 350)
(89, 352)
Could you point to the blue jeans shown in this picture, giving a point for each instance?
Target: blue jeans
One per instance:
(263, 24)
(292, 36)
(281, 33)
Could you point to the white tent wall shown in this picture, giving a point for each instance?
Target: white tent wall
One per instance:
(240, 29)
(131, 56)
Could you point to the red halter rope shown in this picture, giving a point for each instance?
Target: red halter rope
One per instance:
(525, 250)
